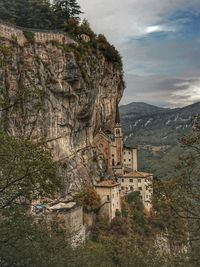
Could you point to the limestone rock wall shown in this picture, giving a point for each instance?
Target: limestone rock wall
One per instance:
(17, 33)
(57, 94)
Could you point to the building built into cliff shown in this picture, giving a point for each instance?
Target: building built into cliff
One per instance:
(67, 217)
(138, 181)
(109, 192)
(120, 158)
(122, 161)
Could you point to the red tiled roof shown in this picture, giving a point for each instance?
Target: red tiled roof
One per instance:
(107, 183)
(138, 174)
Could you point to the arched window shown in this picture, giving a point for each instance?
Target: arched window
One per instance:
(117, 131)
(100, 146)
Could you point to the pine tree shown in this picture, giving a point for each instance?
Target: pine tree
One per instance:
(64, 10)
(27, 13)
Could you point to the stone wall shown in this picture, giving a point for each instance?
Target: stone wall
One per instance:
(16, 33)
(71, 221)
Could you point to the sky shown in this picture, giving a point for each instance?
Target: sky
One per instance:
(159, 41)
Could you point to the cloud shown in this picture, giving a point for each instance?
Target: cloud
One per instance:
(120, 20)
(159, 42)
(162, 90)
(188, 92)
(159, 28)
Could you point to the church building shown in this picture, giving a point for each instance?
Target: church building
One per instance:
(120, 158)
(122, 162)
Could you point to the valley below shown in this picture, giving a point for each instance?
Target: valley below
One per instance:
(157, 132)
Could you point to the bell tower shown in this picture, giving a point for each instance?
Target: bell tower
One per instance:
(118, 140)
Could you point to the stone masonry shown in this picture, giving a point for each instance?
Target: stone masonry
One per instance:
(12, 32)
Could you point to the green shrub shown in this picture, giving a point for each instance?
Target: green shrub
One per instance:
(109, 51)
(30, 36)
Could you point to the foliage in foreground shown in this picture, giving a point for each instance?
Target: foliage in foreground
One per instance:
(27, 172)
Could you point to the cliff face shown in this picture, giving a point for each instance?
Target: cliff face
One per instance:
(63, 95)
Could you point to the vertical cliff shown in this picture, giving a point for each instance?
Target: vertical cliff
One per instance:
(62, 94)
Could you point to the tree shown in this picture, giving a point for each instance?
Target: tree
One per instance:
(27, 13)
(39, 14)
(89, 198)
(26, 171)
(64, 10)
(179, 197)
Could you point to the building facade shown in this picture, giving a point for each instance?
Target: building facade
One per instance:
(120, 158)
(130, 159)
(138, 181)
(109, 192)
(122, 161)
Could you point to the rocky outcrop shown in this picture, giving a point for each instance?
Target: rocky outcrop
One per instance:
(63, 96)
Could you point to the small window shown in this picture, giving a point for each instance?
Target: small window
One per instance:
(140, 188)
(113, 155)
(108, 197)
(118, 132)
(130, 180)
(139, 180)
(131, 188)
(122, 180)
(122, 187)
(129, 159)
(124, 160)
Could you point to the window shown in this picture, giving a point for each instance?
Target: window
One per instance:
(118, 132)
(139, 180)
(113, 162)
(122, 180)
(122, 187)
(140, 188)
(113, 155)
(130, 180)
(108, 197)
(124, 160)
(131, 188)
(129, 160)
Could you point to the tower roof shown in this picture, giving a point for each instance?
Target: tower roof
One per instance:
(117, 117)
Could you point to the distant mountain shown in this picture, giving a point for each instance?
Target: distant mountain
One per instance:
(154, 123)
(156, 131)
(139, 109)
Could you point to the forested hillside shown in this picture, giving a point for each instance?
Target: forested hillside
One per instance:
(156, 132)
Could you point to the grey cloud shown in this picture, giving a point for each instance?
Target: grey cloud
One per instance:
(159, 72)
(155, 57)
(162, 90)
(128, 18)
